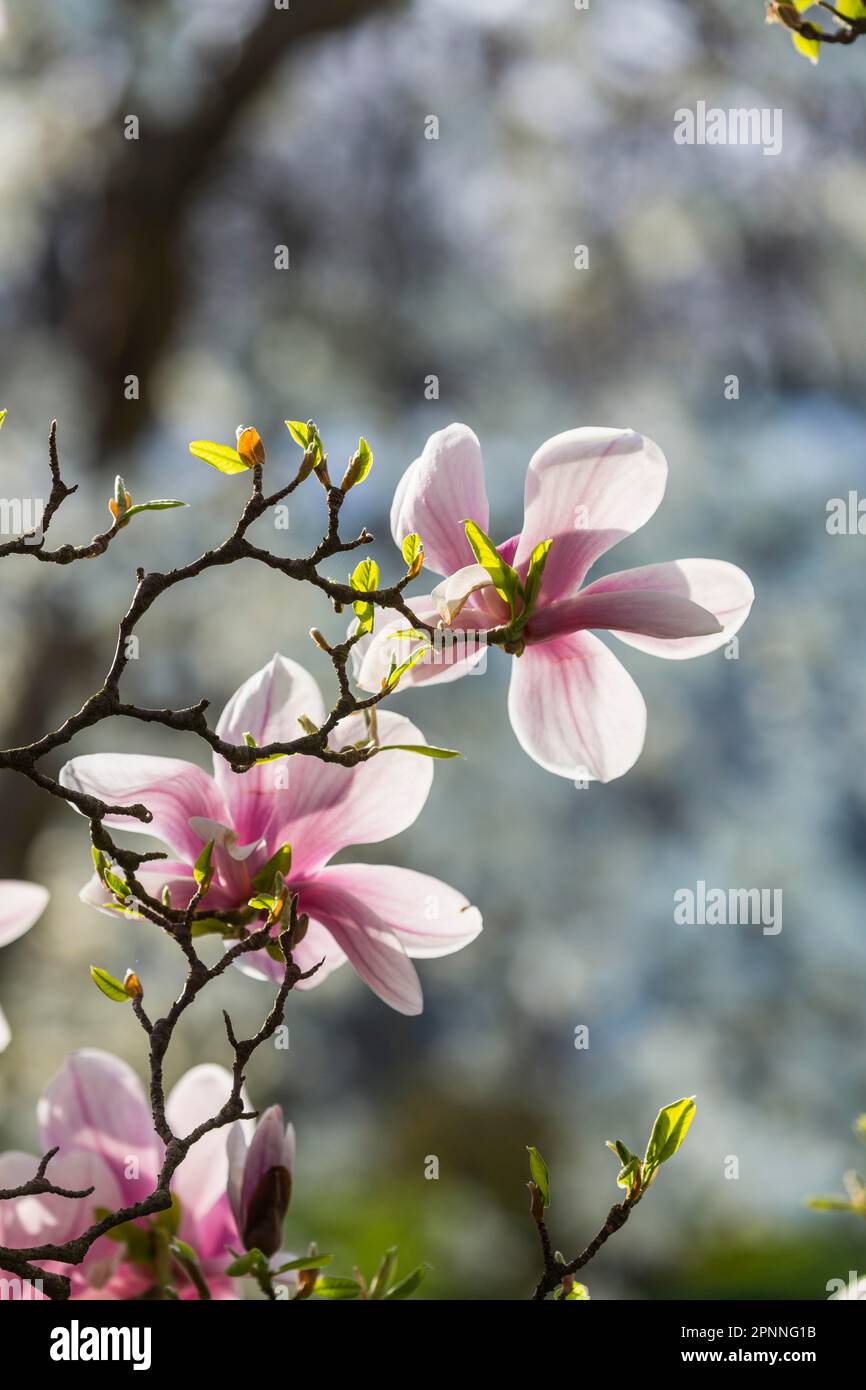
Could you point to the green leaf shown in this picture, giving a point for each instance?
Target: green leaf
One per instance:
(384, 1274)
(365, 460)
(577, 1291)
(407, 1286)
(220, 456)
(334, 1287)
(534, 575)
(118, 886)
(211, 926)
(425, 749)
(245, 1264)
(3, 414)
(830, 1204)
(281, 863)
(394, 675)
(413, 552)
(111, 988)
(669, 1131)
(202, 869)
(306, 1262)
(306, 435)
(365, 578)
(540, 1175)
(505, 579)
(160, 504)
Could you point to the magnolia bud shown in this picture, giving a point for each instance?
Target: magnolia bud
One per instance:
(250, 446)
(263, 1228)
(132, 985)
(121, 501)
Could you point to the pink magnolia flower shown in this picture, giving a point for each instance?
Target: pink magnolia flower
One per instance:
(573, 707)
(21, 905)
(376, 916)
(95, 1111)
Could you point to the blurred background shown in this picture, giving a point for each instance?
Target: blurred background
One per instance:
(412, 257)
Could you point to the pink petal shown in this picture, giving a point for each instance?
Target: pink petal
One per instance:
(172, 791)
(21, 904)
(376, 952)
(587, 489)
(48, 1218)
(429, 917)
(437, 493)
(97, 1103)
(720, 588)
(575, 709)
(451, 655)
(201, 1179)
(326, 806)
(645, 611)
(266, 706)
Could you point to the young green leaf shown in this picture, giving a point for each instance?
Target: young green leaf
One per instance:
(281, 862)
(219, 456)
(111, 988)
(504, 578)
(396, 672)
(118, 886)
(3, 414)
(413, 553)
(426, 750)
(365, 578)
(335, 1288)
(407, 1286)
(245, 1264)
(669, 1131)
(540, 1175)
(159, 504)
(306, 1262)
(203, 868)
(535, 573)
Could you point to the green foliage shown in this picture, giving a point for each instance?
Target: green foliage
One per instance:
(110, 987)
(220, 456)
(503, 577)
(540, 1174)
(365, 578)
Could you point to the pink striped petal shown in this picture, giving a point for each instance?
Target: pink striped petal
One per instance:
(266, 706)
(21, 904)
(429, 917)
(327, 806)
(587, 489)
(437, 493)
(172, 791)
(375, 951)
(575, 709)
(654, 614)
(720, 588)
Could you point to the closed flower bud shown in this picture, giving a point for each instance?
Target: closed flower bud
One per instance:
(121, 501)
(250, 446)
(260, 1180)
(132, 985)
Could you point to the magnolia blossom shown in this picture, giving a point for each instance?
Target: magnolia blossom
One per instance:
(21, 904)
(260, 1180)
(96, 1113)
(376, 916)
(573, 706)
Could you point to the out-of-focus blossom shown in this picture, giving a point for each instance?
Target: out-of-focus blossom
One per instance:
(21, 905)
(96, 1114)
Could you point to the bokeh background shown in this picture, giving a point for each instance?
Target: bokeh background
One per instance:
(455, 257)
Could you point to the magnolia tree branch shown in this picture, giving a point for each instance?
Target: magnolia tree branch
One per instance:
(556, 1272)
(180, 923)
(847, 31)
